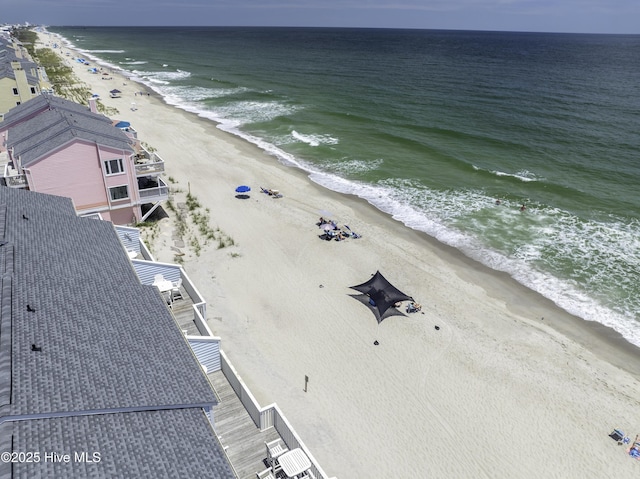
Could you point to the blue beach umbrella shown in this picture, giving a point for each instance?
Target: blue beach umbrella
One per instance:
(123, 124)
(242, 189)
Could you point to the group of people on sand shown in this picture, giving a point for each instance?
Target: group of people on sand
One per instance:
(333, 232)
(634, 449)
(270, 192)
(412, 306)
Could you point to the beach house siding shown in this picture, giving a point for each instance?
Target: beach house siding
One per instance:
(9, 96)
(207, 351)
(77, 171)
(27, 82)
(16, 85)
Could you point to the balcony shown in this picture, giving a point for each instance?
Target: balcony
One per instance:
(152, 189)
(130, 132)
(16, 181)
(149, 168)
(145, 167)
(148, 163)
(12, 177)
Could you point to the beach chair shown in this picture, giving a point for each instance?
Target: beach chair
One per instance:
(617, 435)
(175, 291)
(275, 449)
(352, 233)
(266, 474)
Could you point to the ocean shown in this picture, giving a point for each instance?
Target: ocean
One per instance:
(450, 132)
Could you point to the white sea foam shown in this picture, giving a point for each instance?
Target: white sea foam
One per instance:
(105, 51)
(247, 112)
(522, 175)
(347, 167)
(134, 62)
(190, 96)
(163, 76)
(439, 213)
(435, 213)
(314, 139)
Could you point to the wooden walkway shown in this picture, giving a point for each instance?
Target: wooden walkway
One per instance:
(182, 310)
(240, 437)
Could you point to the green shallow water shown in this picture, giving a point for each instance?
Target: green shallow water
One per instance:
(432, 127)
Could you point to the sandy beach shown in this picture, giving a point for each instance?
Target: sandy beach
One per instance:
(508, 386)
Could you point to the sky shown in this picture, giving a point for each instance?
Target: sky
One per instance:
(569, 16)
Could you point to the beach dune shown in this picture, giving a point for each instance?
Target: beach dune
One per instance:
(508, 385)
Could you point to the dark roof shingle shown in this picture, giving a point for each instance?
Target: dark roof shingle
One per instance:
(112, 372)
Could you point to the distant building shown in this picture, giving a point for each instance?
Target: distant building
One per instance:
(59, 147)
(20, 78)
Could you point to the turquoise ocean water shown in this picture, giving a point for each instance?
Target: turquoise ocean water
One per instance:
(433, 127)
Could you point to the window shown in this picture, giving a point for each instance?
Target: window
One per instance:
(33, 90)
(15, 91)
(113, 167)
(119, 193)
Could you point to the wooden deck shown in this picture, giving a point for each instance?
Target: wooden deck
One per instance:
(182, 310)
(241, 439)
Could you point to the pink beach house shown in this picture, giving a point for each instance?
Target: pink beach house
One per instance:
(59, 147)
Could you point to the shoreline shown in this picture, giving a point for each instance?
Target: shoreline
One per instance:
(492, 340)
(606, 335)
(589, 333)
(597, 337)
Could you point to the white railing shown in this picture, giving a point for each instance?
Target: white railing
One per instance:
(269, 416)
(146, 269)
(131, 133)
(16, 181)
(264, 418)
(150, 168)
(158, 193)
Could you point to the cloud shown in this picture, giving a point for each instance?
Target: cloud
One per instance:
(531, 15)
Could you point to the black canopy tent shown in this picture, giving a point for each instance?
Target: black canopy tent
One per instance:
(383, 295)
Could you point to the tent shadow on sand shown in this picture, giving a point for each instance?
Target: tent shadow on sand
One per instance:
(364, 299)
(380, 296)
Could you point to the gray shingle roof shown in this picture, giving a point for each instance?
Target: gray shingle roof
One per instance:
(111, 345)
(34, 137)
(108, 346)
(34, 105)
(6, 71)
(149, 449)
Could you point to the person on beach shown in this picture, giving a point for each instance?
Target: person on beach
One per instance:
(413, 307)
(341, 236)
